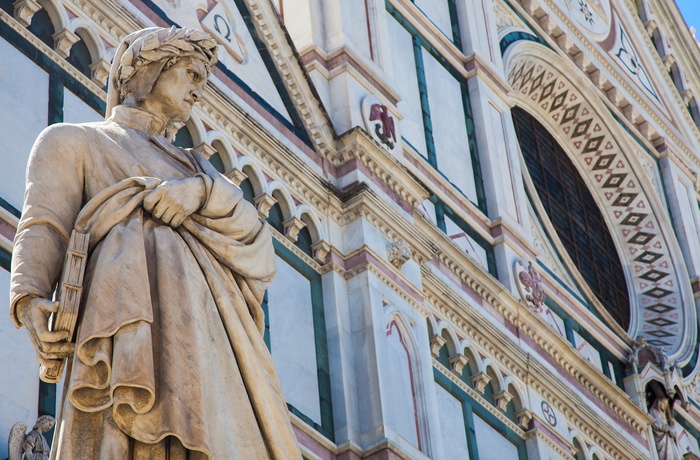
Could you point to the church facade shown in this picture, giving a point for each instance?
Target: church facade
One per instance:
(485, 213)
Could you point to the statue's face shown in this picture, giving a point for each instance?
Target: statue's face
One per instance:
(663, 404)
(176, 91)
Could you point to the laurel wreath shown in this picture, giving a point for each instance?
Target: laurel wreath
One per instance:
(177, 43)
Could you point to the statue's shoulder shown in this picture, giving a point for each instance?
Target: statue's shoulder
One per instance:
(69, 132)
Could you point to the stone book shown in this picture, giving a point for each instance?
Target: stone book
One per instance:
(69, 294)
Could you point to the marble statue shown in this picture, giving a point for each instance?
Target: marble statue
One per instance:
(169, 359)
(33, 444)
(664, 429)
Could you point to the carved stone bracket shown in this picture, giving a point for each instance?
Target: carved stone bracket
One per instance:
(236, 175)
(399, 252)
(25, 10)
(457, 363)
(205, 149)
(292, 227)
(320, 251)
(523, 418)
(436, 343)
(263, 203)
(100, 72)
(501, 400)
(63, 41)
(479, 381)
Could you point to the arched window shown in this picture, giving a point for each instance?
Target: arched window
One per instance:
(574, 214)
(183, 138)
(80, 58)
(675, 75)
(217, 162)
(42, 27)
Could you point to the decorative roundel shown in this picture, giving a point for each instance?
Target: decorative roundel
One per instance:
(548, 413)
(593, 16)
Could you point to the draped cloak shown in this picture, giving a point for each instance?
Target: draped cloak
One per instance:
(170, 360)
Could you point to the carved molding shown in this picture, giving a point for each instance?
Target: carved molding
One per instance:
(236, 176)
(263, 203)
(63, 41)
(205, 149)
(479, 381)
(24, 11)
(100, 72)
(292, 227)
(436, 343)
(457, 363)
(501, 400)
(523, 417)
(320, 251)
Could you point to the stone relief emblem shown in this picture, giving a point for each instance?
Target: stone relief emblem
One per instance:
(593, 16)
(548, 413)
(530, 285)
(379, 122)
(398, 252)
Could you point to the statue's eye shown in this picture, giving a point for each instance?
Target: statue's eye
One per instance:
(193, 76)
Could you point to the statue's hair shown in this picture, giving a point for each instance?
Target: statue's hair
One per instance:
(43, 418)
(154, 51)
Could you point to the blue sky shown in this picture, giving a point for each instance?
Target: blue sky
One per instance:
(691, 12)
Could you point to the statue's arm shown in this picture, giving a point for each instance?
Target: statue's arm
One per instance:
(52, 201)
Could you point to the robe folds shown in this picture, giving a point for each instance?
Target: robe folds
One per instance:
(170, 360)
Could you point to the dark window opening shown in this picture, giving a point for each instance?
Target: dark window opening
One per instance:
(574, 214)
(42, 27)
(183, 138)
(80, 58)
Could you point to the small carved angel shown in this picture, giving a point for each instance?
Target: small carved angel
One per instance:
(33, 445)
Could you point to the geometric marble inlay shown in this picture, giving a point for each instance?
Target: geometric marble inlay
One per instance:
(651, 268)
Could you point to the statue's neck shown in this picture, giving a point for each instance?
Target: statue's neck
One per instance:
(139, 119)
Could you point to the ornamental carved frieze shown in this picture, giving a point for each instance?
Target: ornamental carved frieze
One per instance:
(662, 307)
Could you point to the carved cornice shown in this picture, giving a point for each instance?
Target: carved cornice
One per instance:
(356, 144)
(478, 396)
(293, 75)
(595, 57)
(494, 342)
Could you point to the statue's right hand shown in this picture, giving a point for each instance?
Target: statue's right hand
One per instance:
(33, 313)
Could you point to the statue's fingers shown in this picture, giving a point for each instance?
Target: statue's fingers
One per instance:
(58, 350)
(168, 216)
(49, 306)
(49, 336)
(151, 200)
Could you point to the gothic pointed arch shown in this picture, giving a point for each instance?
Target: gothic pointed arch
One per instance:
(661, 304)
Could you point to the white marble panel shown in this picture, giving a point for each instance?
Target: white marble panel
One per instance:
(492, 444)
(449, 126)
(438, 12)
(464, 241)
(292, 340)
(587, 351)
(406, 84)
(19, 385)
(454, 434)
(402, 403)
(77, 111)
(24, 97)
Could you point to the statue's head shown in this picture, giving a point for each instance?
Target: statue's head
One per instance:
(44, 423)
(162, 71)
